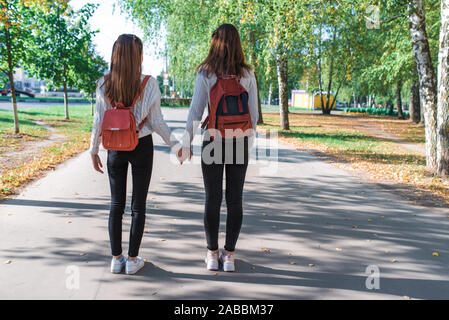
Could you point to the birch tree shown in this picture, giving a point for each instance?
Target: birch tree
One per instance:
(442, 145)
(427, 78)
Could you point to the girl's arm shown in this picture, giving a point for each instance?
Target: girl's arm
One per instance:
(100, 108)
(155, 116)
(196, 111)
(253, 100)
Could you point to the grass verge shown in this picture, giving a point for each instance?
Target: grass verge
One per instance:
(76, 130)
(379, 159)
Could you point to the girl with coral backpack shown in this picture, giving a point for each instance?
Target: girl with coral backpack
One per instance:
(227, 85)
(127, 112)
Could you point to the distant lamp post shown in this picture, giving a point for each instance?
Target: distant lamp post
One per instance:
(166, 83)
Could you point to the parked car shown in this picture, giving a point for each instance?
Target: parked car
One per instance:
(27, 92)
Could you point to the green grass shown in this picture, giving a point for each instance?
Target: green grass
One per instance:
(28, 130)
(377, 158)
(77, 131)
(37, 99)
(80, 122)
(321, 131)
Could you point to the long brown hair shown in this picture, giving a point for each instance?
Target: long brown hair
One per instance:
(225, 54)
(123, 81)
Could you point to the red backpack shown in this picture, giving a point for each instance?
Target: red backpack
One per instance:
(118, 130)
(229, 113)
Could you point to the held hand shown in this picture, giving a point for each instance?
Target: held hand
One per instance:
(184, 154)
(96, 162)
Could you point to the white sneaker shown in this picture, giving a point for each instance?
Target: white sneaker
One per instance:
(227, 260)
(212, 260)
(117, 265)
(132, 266)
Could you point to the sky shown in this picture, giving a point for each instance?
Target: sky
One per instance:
(112, 24)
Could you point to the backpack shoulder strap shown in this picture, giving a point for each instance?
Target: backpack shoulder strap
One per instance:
(141, 89)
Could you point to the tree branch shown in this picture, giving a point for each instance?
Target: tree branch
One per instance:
(385, 21)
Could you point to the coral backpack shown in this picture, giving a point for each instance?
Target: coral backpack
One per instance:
(119, 131)
(229, 114)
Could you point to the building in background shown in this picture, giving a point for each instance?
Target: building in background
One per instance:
(24, 82)
(302, 99)
(27, 85)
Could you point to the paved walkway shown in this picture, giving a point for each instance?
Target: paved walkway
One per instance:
(310, 231)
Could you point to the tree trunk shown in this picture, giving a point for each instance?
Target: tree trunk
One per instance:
(443, 95)
(282, 69)
(252, 39)
(92, 102)
(320, 78)
(328, 108)
(334, 101)
(399, 99)
(269, 94)
(415, 107)
(259, 105)
(66, 102)
(11, 81)
(66, 96)
(390, 112)
(427, 78)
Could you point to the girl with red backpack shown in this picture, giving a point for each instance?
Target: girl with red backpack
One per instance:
(127, 112)
(227, 85)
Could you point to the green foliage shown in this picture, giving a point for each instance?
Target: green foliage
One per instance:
(59, 44)
(15, 22)
(375, 111)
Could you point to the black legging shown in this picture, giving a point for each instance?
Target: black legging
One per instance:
(213, 184)
(141, 160)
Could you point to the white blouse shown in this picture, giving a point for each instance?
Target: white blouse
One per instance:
(201, 98)
(149, 105)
